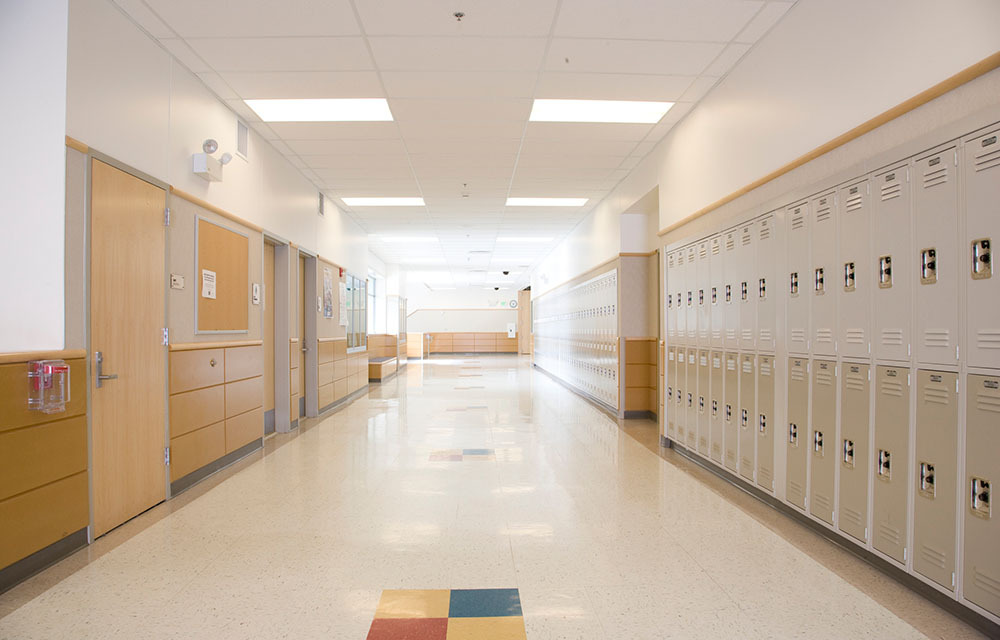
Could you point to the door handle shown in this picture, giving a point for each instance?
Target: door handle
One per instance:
(101, 376)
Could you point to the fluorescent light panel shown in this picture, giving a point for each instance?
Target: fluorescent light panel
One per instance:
(383, 202)
(604, 111)
(546, 202)
(322, 110)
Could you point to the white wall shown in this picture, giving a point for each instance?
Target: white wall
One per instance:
(460, 320)
(463, 309)
(32, 173)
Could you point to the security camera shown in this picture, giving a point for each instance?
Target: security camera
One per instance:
(496, 288)
(506, 273)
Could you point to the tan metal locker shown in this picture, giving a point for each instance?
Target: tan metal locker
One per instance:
(668, 403)
(746, 289)
(854, 432)
(730, 411)
(797, 443)
(717, 318)
(729, 294)
(982, 229)
(765, 422)
(680, 396)
(799, 279)
(703, 294)
(892, 260)
(680, 297)
(981, 575)
(748, 430)
(704, 398)
(935, 506)
(823, 279)
(890, 453)
(691, 294)
(854, 271)
(717, 407)
(938, 261)
(823, 440)
(691, 400)
(671, 282)
(766, 286)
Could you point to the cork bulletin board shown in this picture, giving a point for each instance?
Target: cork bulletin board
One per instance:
(222, 273)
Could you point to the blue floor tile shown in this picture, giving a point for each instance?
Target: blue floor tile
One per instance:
(484, 603)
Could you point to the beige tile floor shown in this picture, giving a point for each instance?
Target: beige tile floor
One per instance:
(605, 535)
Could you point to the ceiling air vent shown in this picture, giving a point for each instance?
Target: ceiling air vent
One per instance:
(242, 139)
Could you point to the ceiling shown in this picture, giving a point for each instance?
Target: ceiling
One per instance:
(461, 93)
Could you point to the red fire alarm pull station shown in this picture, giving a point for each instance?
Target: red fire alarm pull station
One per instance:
(48, 385)
(341, 272)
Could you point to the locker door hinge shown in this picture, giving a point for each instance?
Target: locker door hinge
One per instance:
(166, 456)
(953, 578)
(166, 217)
(166, 336)
(866, 535)
(904, 554)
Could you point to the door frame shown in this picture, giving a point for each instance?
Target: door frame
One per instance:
(282, 331)
(309, 342)
(91, 155)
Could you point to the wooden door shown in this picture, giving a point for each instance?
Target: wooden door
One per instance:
(301, 310)
(126, 326)
(268, 333)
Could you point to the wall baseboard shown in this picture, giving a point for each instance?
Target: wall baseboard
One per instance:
(641, 415)
(12, 575)
(339, 404)
(193, 478)
(269, 422)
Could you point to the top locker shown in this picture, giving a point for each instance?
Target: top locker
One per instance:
(982, 227)
(670, 286)
(717, 279)
(765, 286)
(702, 295)
(691, 294)
(854, 339)
(823, 307)
(747, 274)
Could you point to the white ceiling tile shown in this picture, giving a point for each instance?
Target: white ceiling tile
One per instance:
(459, 84)
(371, 188)
(644, 148)
(463, 174)
(351, 148)
(610, 86)
(433, 18)
(245, 112)
(374, 163)
(699, 88)
(185, 55)
(304, 84)
(678, 111)
(727, 59)
(283, 149)
(461, 161)
(264, 131)
(218, 86)
(569, 161)
(585, 147)
(631, 56)
(630, 163)
(477, 111)
(438, 129)
(457, 54)
(704, 20)
(146, 18)
(201, 18)
(586, 131)
(297, 162)
(320, 132)
(462, 145)
(283, 54)
(763, 21)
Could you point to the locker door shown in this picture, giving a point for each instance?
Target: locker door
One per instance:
(823, 440)
(703, 298)
(747, 412)
(680, 297)
(704, 398)
(797, 434)
(981, 577)
(671, 271)
(823, 280)
(731, 428)
(892, 431)
(680, 395)
(854, 467)
(691, 400)
(854, 275)
(892, 260)
(717, 319)
(765, 290)
(729, 294)
(668, 400)
(748, 286)
(799, 280)
(935, 505)
(716, 407)
(765, 422)
(938, 261)
(982, 229)
(691, 283)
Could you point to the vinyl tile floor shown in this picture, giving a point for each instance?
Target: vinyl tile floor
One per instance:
(602, 533)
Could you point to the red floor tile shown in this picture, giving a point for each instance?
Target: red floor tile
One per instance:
(409, 629)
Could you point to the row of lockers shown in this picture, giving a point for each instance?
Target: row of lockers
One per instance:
(894, 265)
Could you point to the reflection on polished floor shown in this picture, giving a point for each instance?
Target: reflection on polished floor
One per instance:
(602, 534)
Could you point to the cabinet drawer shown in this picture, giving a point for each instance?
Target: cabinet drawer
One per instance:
(244, 429)
(327, 395)
(195, 409)
(196, 369)
(194, 450)
(327, 352)
(327, 373)
(35, 456)
(244, 395)
(244, 362)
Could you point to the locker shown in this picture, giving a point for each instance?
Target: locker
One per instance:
(765, 422)
(717, 318)
(668, 400)
(823, 304)
(680, 396)
(764, 287)
(731, 393)
(729, 295)
(982, 229)
(892, 263)
(704, 398)
(716, 407)
(799, 279)
(747, 412)
(680, 297)
(703, 295)
(890, 458)
(691, 293)
(797, 433)
(854, 271)
(671, 283)
(854, 432)
(747, 293)
(981, 575)
(823, 440)
(938, 262)
(935, 505)
(691, 400)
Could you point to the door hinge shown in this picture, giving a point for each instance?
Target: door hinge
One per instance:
(166, 456)
(166, 217)
(166, 336)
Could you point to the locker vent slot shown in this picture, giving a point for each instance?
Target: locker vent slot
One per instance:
(730, 334)
(985, 582)
(823, 502)
(988, 160)
(851, 516)
(891, 388)
(731, 365)
(798, 222)
(889, 533)
(980, 502)
(824, 378)
(935, 177)
(937, 338)
(933, 556)
(716, 248)
(855, 382)
(892, 337)
(891, 191)
(799, 336)
(747, 334)
(987, 403)
(730, 243)
(824, 336)
(855, 336)
(796, 489)
(935, 395)
(825, 210)
(746, 239)
(854, 202)
(798, 375)
(925, 481)
(765, 368)
(747, 366)
(702, 251)
(765, 335)
(988, 339)
(765, 232)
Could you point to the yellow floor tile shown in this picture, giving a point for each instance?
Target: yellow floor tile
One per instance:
(414, 603)
(508, 628)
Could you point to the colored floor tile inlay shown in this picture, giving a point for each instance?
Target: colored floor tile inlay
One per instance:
(460, 455)
(448, 614)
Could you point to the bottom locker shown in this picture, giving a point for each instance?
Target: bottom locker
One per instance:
(731, 391)
(981, 577)
(765, 422)
(717, 418)
(747, 414)
(680, 396)
(668, 399)
(854, 431)
(934, 506)
(892, 431)
(797, 436)
(691, 400)
(823, 439)
(704, 375)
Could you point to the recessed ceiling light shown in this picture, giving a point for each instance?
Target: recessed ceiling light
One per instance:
(322, 110)
(523, 239)
(546, 202)
(407, 238)
(606, 111)
(383, 202)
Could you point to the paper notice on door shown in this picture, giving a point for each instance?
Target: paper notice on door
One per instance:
(343, 304)
(207, 284)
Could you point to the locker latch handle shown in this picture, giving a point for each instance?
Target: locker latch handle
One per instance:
(793, 283)
(982, 263)
(715, 408)
(849, 453)
(884, 465)
(729, 293)
(715, 295)
(885, 272)
(849, 276)
(818, 442)
(762, 288)
(690, 298)
(980, 504)
(744, 291)
(729, 413)
(701, 297)
(690, 400)
(762, 423)
(793, 434)
(819, 285)
(928, 266)
(743, 418)
(670, 301)
(701, 404)
(926, 480)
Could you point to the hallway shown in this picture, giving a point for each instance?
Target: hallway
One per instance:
(466, 473)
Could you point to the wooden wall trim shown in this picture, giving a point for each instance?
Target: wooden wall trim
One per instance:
(642, 339)
(214, 209)
(638, 255)
(962, 77)
(73, 143)
(293, 340)
(191, 346)
(324, 340)
(28, 356)
(583, 276)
